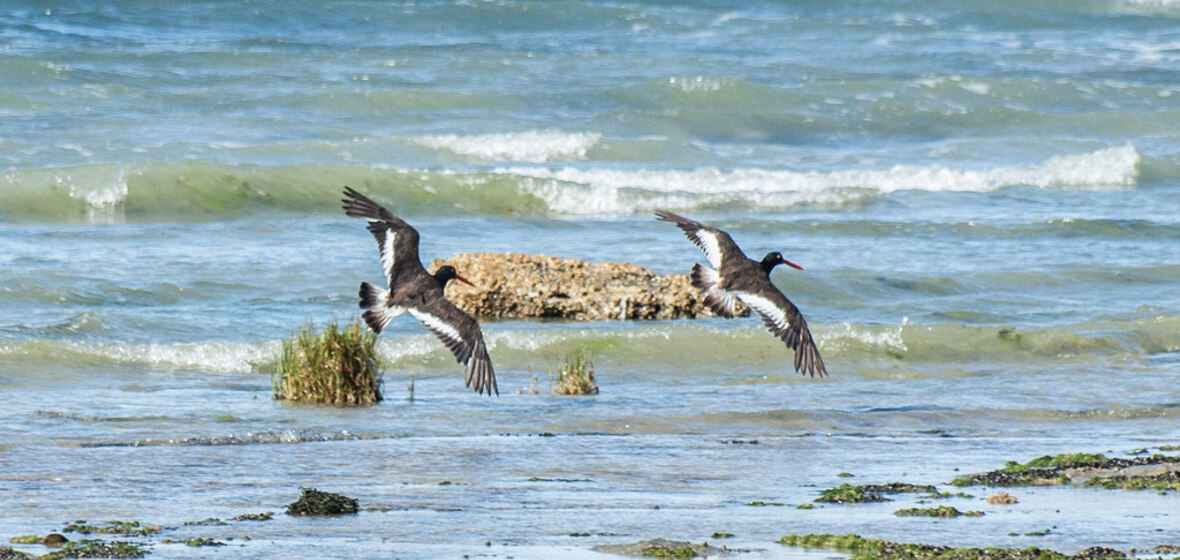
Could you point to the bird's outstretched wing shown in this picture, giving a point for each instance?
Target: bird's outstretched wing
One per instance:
(717, 245)
(462, 335)
(784, 320)
(397, 241)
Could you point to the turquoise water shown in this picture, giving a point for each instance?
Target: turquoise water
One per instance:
(986, 200)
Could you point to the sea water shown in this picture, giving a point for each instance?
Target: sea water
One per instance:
(985, 197)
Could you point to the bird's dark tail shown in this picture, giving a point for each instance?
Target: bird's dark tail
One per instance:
(721, 302)
(378, 311)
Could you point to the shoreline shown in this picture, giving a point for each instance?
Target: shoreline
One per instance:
(135, 539)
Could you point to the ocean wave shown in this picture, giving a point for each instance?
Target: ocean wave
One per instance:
(218, 357)
(660, 347)
(1064, 228)
(188, 192)
(674, 346)
(199, 191)
(246, 438)
(531, 146)
(573, 190)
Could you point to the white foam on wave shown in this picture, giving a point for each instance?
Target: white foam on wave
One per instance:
(221, 357)
(427, 347)
(218, 357)
(99, 187)
(580, 191)
(1152, 6)
(884, 338)
(535, 146)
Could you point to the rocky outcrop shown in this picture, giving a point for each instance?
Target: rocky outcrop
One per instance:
(517, 286)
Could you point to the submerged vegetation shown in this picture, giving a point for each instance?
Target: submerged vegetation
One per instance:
(124, 528)
(864, 493)
(663, 548)
(940, 511)
(196, 541)
(576, 376)
(97, 549)
(1090, 468)
(337, 367)
(871, 549)
(1167, 480)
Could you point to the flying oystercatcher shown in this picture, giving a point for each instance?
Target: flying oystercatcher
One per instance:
(735, 276)
(413, 289)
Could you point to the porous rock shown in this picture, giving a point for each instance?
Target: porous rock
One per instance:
(519, 286)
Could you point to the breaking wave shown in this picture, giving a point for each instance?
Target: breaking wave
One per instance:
(660, 345)
(530, 146)
(201, 191)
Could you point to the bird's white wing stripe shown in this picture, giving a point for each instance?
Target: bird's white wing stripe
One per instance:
(765, 307)
(387, 254)
(437, 325)
(710, 277)
(707, 241)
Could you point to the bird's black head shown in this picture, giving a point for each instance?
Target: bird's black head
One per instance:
(775, 258)
(446, 273)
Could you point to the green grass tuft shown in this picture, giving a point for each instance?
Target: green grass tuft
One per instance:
(576, 376)
(338, 367)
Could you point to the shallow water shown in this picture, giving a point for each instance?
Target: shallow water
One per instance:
(984, 199)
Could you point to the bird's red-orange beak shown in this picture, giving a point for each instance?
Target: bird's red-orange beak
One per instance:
(464, 280)
(791, 264)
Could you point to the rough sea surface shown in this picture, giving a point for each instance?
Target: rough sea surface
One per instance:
(985, 197)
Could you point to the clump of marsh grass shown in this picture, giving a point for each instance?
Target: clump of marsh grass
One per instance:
(576, 376)
(337, 367)
(532, 387)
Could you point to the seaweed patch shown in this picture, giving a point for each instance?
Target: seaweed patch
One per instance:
(316, 502)
(861, 548)
(1159, 472)
(865, 493)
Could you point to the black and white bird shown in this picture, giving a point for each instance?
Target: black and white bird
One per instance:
(735, 276)
(420, 293)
